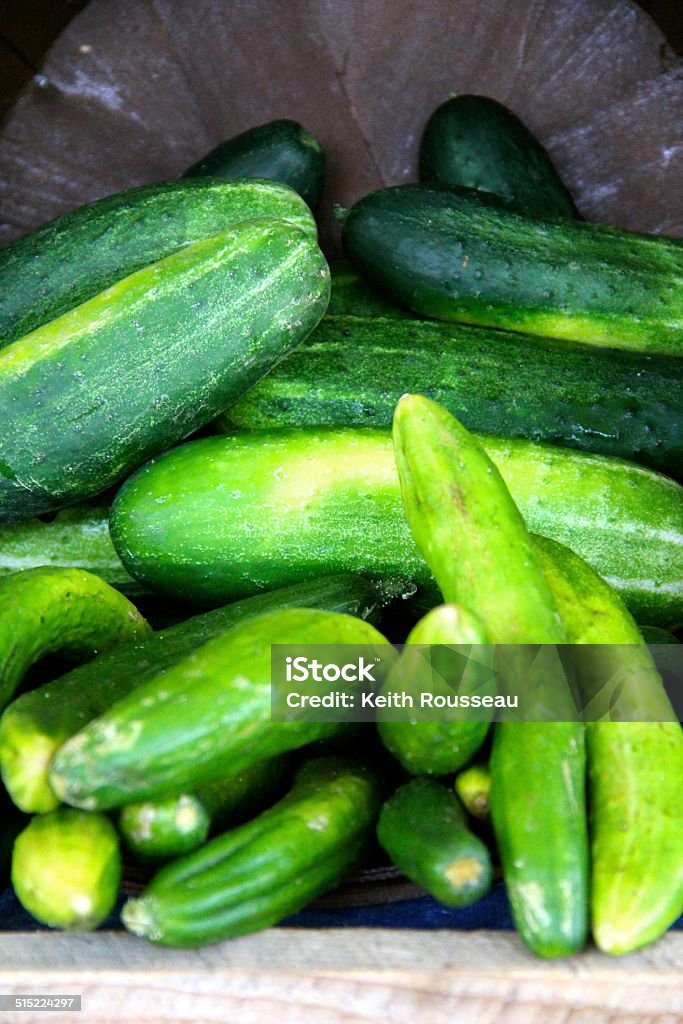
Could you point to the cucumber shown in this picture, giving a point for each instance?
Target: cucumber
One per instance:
(166, 828)
(66, 869)
(423, 829)
(654, 635)
(257, 874)
(225, 516)
(352, 295)
(277, 151)
(476, 142)
(216, 701)
(91, 395)
(77, 537)
(73, 258)
(456, 255)
(476, 543)
(36, 724)
(49, 609)
(635, 767)
(473, 786)
(434, 747)
(352, 371)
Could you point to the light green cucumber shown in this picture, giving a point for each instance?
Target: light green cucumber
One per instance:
(36, 724)
(207, 716)
(473, 786)
(50, 609)
(423, 746)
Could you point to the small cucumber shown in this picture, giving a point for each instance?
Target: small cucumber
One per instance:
(168, 827)
(476, 142)
(66, 869)
(223, 517)
(36, 724)
(456, 255)
(635, 767)
(77, 537)
(352, 370)
(133, 370)
(277, 151)
(50, 609)
(254, 875)
(423, 829)
(216, 701)
(73, 258)
(473, 786)
(433, 747)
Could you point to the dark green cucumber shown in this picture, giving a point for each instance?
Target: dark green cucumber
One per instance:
(476, 142)
(654, 635)
(50, 609)
(166, 828)
(66, 868)
(423, 829)
(35, 725)
(73, 258)
(277, 151)
(227, 516)
(435, 747)
(475, 541)
(91, 395)
(635, 767)
(205, 717)
(352, 371)
(77, 537)
(473, 786)
(456, 255)
(256, 874)
(352, 295)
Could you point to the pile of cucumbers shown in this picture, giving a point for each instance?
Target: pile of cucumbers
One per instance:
(469, 433)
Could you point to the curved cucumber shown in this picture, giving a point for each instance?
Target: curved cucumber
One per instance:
(168, 827)
(45, 610)
(133, 370)
(66, 868)
(456, 255)
(635, 767)
(352, 370)
(73, 258)
(434, 747)
(423, 829)
(36, 724)
(277, 151)
(226, 516)
(76, 537)
(256, 874)
(476, 142)
(217, 700)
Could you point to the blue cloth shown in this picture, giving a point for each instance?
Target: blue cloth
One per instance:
(492, 912)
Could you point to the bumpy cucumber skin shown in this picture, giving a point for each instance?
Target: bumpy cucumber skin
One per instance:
(147, 744)
(635, 771)
(37, 723)
(270, 508)
(423, 829)
(168, 827)
(352, 370)
(53, 609)
(77, 537)
(135, 369)
(74, 257)
(438, 747)
(277, 151)
(66, 868)
(456, 255)
(255, 875)
(476, 142)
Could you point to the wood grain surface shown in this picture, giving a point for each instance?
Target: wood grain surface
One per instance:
(342, 976)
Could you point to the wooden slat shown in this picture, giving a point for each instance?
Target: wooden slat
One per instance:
(342, 976)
